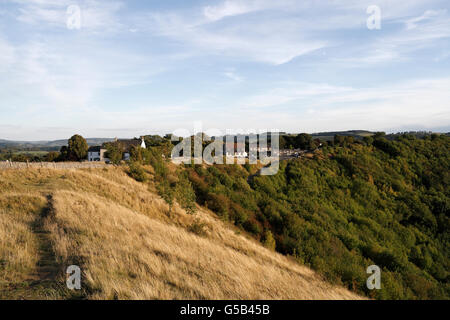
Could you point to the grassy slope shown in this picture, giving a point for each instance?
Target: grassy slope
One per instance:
(350, 206)
(118, 231)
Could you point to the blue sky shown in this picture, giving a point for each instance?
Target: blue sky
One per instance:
(138, 67)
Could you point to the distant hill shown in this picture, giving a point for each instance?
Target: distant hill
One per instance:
(359, 134)
(46, 145)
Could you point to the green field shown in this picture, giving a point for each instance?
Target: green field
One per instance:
(31, 153)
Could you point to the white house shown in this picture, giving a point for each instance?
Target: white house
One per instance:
(129, 144)
(96, 154)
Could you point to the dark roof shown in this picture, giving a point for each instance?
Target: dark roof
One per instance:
(94, 149)
(128, 143)
(125, 144)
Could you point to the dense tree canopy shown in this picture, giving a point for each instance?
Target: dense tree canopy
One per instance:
(114, 152)
(352, 205)
(77, 148)
(381, 200)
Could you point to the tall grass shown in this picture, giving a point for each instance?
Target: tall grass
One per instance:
(118, 232)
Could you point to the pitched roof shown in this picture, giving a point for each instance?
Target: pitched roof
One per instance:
(94, 149)
(126, 144)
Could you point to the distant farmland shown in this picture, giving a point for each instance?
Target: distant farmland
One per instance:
(31, 153)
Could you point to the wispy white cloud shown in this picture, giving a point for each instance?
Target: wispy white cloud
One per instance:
(59, 74)
(413, 23)
(431, 25)
(276, 42)
(409, 35)
(230, 8)
(7, 56)
(231, 74)
(178, 54)
(95, 15)
(284, 30)
(328, 107)
(227, 9)
(290, 92)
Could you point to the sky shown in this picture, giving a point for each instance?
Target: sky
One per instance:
(127, 68)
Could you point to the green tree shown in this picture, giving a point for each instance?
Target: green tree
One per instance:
(114, 152)
(303, 141)
(379, 134)
(63, 154)
(269, 241)
(137, 172)
(167, 193)
(52, 156)
(339, 140)
(136, 154)
(77, 148)
(383, 201)
(368, 140)
(185, 195)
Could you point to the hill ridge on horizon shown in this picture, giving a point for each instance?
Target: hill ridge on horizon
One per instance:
(52, 144)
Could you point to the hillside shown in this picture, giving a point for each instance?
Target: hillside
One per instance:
(357, 134)
(129, 246)
(46, 145)
(347, 206)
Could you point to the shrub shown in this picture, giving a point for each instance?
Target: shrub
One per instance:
(269, 241)
(198, 228)
(252, 226)
(185, 195)
(219, 204)
(167, 193)
(114, 152)
(137, 172)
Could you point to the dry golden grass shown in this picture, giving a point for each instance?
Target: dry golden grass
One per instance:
(18, 246)
(118, 232)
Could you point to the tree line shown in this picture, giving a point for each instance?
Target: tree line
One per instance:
(352, 204)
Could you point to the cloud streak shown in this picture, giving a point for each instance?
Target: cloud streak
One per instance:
(95, 15)
(297, 65)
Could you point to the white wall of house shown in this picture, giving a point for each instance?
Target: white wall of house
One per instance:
(237, 154)
(93, 156)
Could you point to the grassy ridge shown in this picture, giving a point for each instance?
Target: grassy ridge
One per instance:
(120, 234)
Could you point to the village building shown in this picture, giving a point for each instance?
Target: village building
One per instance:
(127, 144)
(98, 153)
(236, 150)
